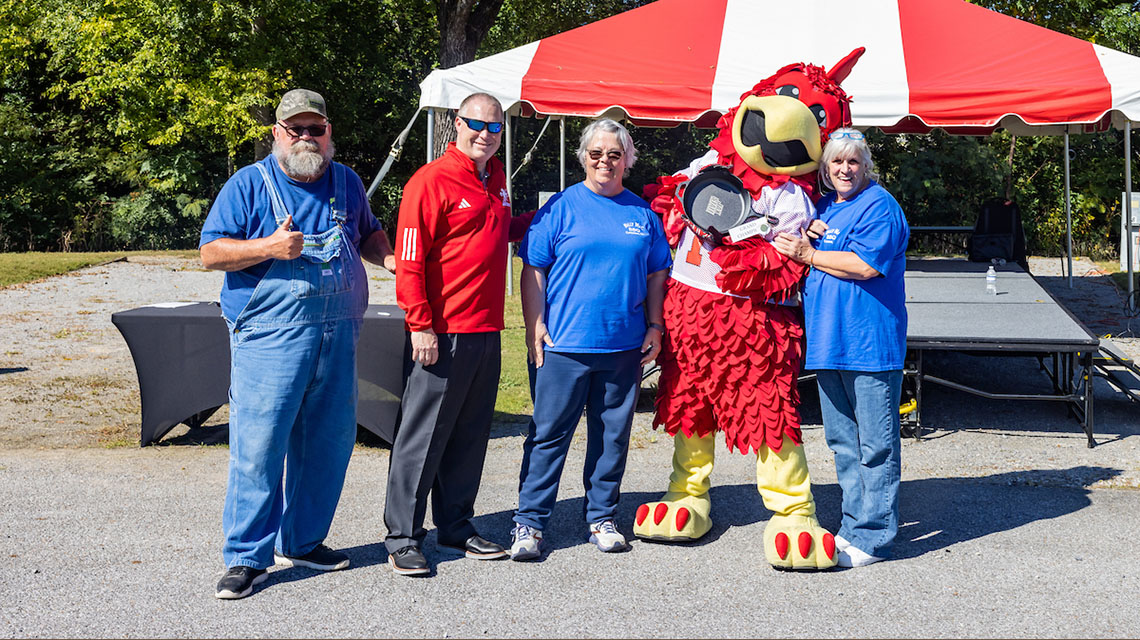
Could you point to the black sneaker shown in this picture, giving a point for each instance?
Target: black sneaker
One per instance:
(238, 582)
(320, 558)
(409, 561)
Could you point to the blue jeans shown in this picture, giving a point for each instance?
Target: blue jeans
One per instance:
(861, 423)
(292, 414)
(607, 385)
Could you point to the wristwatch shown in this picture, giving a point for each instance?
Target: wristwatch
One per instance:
(657, 325)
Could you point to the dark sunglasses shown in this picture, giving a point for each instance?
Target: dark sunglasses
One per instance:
(612, 156)
(314, 130)
(477, 125)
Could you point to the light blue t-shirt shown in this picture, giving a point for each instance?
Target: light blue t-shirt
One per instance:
(859, 325)
(242, 211)
(597, 253)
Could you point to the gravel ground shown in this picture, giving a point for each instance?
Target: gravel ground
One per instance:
(1011, 526)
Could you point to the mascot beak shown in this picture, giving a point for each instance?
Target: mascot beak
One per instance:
(777, 135)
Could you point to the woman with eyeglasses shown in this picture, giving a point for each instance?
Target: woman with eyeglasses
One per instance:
(855, 325)
(593, 285)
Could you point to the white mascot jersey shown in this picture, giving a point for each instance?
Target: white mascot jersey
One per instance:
(788, 203)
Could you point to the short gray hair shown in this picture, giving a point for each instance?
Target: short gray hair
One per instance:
(605, 125)
(846, 147)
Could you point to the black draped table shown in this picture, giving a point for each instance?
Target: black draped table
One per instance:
(182, 356)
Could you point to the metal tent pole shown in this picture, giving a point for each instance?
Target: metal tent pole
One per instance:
(510, 164)
(1128, 210)
(1068, 212)
(431, 134)
(562, 153)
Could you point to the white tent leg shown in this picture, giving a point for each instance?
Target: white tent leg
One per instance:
(1128, 210)
(1068, 212)
(431, 135)
(510, 194)
(562, 153)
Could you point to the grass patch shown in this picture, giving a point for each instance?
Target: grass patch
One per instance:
(1120, 278)
(513, 402)
(18, 268)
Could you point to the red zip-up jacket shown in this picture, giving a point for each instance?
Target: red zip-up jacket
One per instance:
(451, 246)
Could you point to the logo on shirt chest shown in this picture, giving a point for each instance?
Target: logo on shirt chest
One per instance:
(636, 229)
(830, 237)
(464, 204)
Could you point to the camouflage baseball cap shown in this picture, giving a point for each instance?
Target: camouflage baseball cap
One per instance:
(301, 101)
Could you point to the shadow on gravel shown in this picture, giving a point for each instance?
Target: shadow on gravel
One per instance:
(6, 370)
(937, 513)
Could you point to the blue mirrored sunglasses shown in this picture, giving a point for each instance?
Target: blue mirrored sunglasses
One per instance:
(854, 135)
(477, 125)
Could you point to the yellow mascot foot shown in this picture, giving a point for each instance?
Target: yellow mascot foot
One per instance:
(678, 517)
(799, 543)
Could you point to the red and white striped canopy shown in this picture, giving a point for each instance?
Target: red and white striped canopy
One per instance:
(929, 63)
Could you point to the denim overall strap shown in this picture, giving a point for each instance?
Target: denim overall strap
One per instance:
(279, 210)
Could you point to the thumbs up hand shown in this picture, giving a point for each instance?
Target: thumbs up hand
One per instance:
(285, 244)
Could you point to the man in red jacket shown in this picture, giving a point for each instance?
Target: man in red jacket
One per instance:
(452, 241)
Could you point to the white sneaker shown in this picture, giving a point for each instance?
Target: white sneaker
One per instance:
(526, 543)
(841, 543)
(856, 557)
(605, 535)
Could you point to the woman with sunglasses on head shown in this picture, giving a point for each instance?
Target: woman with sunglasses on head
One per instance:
(593, 285)
(855, 326)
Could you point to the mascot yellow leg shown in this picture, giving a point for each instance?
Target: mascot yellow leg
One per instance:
(682, 514)
(793, 538)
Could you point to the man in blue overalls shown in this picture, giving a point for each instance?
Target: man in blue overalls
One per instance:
(290, 231)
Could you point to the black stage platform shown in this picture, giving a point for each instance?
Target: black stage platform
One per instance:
(949, 309)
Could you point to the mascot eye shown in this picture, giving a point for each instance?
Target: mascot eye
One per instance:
(790, 90)
(820, 114)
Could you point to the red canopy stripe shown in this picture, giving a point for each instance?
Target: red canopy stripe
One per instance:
(617, 61)
(958, 62)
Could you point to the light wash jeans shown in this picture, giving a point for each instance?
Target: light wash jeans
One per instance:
(292, 414)
(861, 423)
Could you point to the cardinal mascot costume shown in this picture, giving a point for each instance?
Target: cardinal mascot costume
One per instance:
(734, 333)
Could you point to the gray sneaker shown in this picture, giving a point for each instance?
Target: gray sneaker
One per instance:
(526, 543)
(605, 535)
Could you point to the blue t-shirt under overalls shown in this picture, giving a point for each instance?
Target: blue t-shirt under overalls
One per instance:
(328, 281)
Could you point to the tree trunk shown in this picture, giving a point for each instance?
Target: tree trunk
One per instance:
(263, 114)
(462, 26)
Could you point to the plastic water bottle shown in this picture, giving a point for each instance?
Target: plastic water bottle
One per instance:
(991, 281)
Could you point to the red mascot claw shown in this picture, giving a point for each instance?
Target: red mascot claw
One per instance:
(782, 545)
(642, 513)
(660, 512)
(829, 545)
(682, 518)
(805, 544)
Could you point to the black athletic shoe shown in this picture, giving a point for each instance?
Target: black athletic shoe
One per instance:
(320, 558)
(409, 561)
(238, 582)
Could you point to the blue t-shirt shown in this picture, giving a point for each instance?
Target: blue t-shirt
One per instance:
(597, 253)
(859, 325)
(242, 211)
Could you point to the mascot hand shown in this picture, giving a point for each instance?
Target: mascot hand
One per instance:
(754, 267)
(662, 198)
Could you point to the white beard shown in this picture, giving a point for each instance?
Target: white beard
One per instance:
(302, 160)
